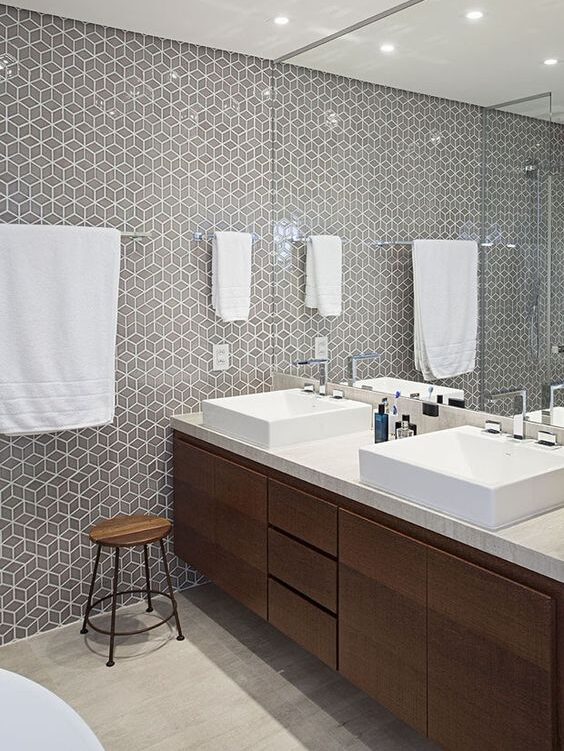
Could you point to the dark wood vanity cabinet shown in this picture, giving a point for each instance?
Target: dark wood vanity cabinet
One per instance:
(220, 522)
(459, 644)
(491, 660)
(383, 616)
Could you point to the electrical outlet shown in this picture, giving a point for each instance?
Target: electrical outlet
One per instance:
(321, 348)
(221, 357)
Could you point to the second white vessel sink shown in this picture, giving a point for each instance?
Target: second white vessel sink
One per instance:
(488, 480)
(282, 418)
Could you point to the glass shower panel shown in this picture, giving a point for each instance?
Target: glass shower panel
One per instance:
(516, 249)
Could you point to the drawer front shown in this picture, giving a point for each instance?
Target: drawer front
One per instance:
(311, 573)
(307, 625)
(303, 516)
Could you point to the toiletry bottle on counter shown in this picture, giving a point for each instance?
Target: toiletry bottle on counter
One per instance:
(381, 424)
(404, 430)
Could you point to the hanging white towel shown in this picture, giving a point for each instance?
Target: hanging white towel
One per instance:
(231, 275)
(445, 283)
(58, 314)
(324, 271)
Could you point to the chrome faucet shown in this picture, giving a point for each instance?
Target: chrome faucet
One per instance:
(518, 419)
(323, 371)
(548, 393)
(361, 357)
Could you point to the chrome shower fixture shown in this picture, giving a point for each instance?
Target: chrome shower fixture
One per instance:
(531, 168)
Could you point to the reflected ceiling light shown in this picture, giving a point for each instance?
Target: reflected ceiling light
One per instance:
(550, 61)
(281, 20)
(387, 48)
(474, 15)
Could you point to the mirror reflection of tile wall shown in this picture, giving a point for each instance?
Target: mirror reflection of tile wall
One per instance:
(372, 163)
(367, 163)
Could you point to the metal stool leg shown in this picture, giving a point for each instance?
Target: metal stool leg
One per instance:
(84, 630)
(147, 580)
(180, 636)
(110, 663)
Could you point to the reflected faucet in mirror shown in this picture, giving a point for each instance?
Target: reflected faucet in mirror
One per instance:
(547, 415)
(518, 417)
(323, 371)
(355, 359)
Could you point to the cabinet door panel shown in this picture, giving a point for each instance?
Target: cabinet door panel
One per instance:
(491, 658)
(241, 530)
(382, 616)
(194, 507)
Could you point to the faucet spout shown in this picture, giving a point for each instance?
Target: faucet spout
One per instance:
(360, 357)
(519, 418)
(323, 371)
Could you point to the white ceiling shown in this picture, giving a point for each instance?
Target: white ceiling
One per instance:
(439, 52)
(237, 25)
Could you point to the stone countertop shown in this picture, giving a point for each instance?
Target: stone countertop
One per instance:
(536, 544)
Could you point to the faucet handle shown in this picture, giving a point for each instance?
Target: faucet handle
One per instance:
(309, 388)
(492, 426)
(544, 438)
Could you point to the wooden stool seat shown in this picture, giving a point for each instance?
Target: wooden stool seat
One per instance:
(126, 531)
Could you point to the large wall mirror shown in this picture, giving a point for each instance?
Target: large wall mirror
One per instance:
(442, 121)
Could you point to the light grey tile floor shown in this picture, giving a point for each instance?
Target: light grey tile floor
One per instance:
(234, 684)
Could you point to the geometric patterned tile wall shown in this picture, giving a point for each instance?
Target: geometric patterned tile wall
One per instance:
(110, 128)
(368, 163)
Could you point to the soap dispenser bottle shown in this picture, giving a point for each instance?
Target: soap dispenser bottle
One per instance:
(381, 424)
(404, 430)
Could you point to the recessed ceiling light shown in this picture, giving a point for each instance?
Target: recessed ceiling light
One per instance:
(474, 15)
(281, 20)
(386, 48)
(550, 61)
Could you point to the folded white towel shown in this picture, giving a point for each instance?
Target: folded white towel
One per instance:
(324, 272)
(445, 283)
(231, 275)
(58, 314)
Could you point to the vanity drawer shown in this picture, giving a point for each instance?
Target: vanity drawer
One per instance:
(311, 573)
(303, 516)
(309, 626)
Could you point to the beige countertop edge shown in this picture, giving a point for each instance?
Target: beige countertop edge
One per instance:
(332, 464)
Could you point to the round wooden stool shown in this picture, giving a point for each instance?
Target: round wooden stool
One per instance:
(128, 532)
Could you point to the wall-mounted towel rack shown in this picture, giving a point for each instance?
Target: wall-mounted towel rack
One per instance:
(299, 239)
(384, 243)
(136, 235)
(199, 236)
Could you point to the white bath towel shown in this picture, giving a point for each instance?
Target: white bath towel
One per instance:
(324, 272)
(231, 275)
(58, 314)
(445, 282)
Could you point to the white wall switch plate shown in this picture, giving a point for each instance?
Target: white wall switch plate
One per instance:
(321, 348)
(221, 357)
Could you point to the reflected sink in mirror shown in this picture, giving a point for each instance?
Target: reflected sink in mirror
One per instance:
(282, 418)
(491, 481)
(555, 418)
(408, 388)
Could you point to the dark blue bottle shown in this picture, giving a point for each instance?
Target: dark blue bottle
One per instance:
(381, 427)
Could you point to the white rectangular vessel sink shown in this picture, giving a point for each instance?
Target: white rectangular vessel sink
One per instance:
(488, 480)
(406, 388)
(283, 418)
